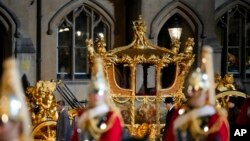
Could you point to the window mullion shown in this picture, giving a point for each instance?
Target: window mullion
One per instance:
(241, 48)
(89, 19)
(244, 46)
(226, 42)
(92, 23)
(73, 48)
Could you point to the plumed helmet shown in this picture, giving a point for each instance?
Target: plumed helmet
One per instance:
(12, 104)
(198, 81)
(203, 78)
(98, 84)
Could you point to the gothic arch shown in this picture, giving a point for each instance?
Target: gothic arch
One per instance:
(9, 25)
(55, 21)
(168, 11)
(229, 5)
(9, 20)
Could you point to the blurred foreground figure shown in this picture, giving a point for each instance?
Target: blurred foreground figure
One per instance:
(102, 121)
(15, 119)
(200, 120)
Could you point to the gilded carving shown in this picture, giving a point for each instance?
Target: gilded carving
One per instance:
(224, 84)
(42, 102)
(144, 110)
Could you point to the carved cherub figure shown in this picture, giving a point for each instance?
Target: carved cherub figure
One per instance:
(225, 83)
(189, 44)
(175, 44)
(100, 45)
(89, 44)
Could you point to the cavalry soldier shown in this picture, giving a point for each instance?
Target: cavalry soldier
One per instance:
(101, 121)
(200, 120)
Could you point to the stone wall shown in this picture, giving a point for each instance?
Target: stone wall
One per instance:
(123, 11)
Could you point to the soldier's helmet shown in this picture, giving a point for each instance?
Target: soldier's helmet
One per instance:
(198, 81)
(201, 81)
(98, 83)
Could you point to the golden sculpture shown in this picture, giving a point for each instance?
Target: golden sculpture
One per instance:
(225, 88)
(100, 43)
(224, 84)
(41, 96)
(122, 65)
(42, 106)
(175, 44)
